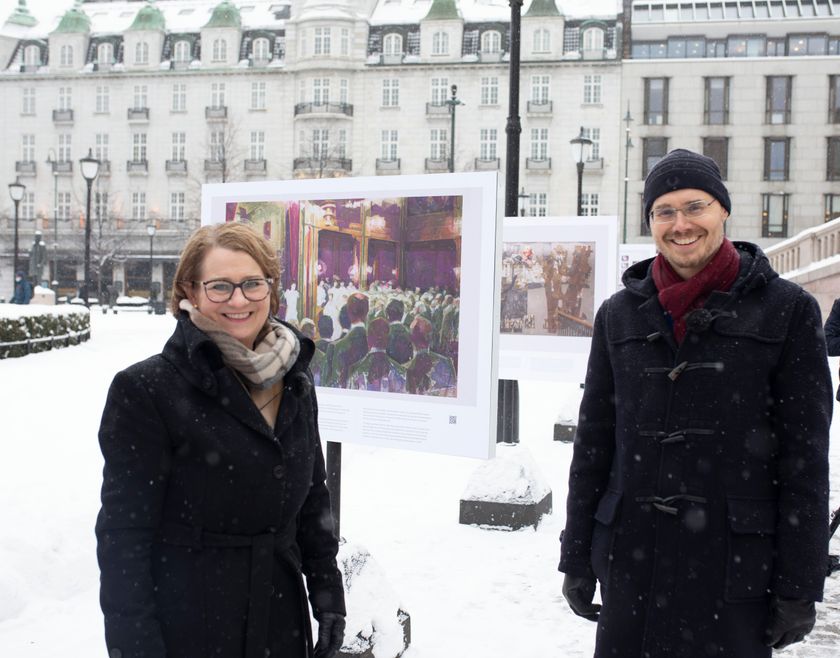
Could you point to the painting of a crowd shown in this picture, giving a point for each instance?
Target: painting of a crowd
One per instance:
(547, 288)
(374, 283)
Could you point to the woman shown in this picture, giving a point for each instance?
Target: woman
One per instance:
(213, 499)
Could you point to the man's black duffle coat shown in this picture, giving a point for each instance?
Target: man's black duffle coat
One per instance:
(699, 481)
(209, 517)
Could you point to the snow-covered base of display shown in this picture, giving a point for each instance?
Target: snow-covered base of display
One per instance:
(377, 626)
(507, 492)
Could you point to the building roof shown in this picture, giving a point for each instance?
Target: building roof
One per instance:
(442, 10)
(74, 21)
(540, 8)
(21, 16)
(404, 12)
(149, 18)
(225, 14)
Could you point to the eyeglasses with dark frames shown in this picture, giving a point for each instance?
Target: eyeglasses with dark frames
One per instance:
(221, 290)
(693, 210)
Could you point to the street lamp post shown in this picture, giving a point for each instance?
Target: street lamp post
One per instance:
(452, 103)
(151, 229)
(16, 191)
(522, 198)
(628, 144)
(580, 152)
(53, 162)
(90, 169)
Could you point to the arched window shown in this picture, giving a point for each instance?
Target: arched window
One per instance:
(67, 55)
(105, 54)
(183, 52)
(141, 53)
(491, 42)
(32, 56)
(440, 43)
(393, 44)
(220, 50)
(593, 39)
(542, 40)
(261, 51)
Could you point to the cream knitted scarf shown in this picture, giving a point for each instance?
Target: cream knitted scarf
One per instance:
(272, 357)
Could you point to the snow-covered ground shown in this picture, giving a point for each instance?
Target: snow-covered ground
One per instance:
(471, 593)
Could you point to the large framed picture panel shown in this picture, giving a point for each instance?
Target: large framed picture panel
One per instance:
(555, 273)
(631, 253)
(395, 280)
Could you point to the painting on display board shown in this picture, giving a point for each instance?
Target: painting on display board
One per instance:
(631, 253)
(394, 279)
(555, 273)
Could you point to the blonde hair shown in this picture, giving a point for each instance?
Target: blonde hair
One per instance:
(235, 236)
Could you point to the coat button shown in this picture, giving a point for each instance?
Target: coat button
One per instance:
(279, 471)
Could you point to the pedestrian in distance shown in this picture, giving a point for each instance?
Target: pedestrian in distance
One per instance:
(214, 502)
(23, 290)
(698, 488)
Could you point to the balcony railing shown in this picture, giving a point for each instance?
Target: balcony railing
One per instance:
(135, 167)
(324, 164)
(387, 166)
(176, 167)
(255, 166)
(104, 168)
(62, 116)
(596, 165)
(213, 166)
(437, 110)
(62, 167)
(538, 164)
(324, 108)
(437, 164)
(487, 164)
(540, 107)
(26, 167)
(138, 114)
(215, 113)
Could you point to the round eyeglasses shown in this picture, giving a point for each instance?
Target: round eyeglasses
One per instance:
(693, 210)
(221, 290)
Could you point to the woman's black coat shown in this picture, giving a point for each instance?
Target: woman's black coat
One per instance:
(699, 481)
(208, 516)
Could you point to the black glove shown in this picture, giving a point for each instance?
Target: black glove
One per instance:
(579, 591)
(330, 634)
(790, 621)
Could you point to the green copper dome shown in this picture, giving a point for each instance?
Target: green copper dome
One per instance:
(149, 18)
(541, 8)
(225, 15)
(442, 10)
(75, 20)
(21, 16)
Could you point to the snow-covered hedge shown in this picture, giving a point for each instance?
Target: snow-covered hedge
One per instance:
(35, 328)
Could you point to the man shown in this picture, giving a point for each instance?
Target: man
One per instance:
(377, 371)
(429, 373)
(347, 350)
(698, 489)
(23, 290)
(399, 338)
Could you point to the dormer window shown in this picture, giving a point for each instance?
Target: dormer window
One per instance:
(593, 39)
(393, 44)
(32, 56)
(66, 55)
(491, 42)
(141, 53)
(542, 40)
(440, 43)
(105, 54)
(183, 51)
(261, 51)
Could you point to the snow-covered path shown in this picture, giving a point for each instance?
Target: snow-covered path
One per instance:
(471, 593)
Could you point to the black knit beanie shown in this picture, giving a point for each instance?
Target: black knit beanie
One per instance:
(682, 169)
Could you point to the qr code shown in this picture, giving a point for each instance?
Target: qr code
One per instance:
(453, 420)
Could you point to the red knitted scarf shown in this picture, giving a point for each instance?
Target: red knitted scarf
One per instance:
(679, 296)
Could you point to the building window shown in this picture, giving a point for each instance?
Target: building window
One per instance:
(589, 204)
(101, 149)
(261, 51)
(27, 148)
(591, 89)
(393, 44)
(179, 97)
(440, 144)
(832, 206)
(64, 205)
(778, 98)
(100, 207)
(834, 99)
(491, 42)
(27, 206)
(219, 50)
(65, 143)
(217, 145)
(66, 55)
(138, 148)
(176, 206)
(345, 41)
(593, 39)
(342, 143)
(807, 44)
(539, 143)
(490, 90)
(593, 134)
(440, 87)
(537, 204)
(774, 215)
(390, 93)
(32, 56)
(103, 100)
(105, 54)
(656, 101)
(320, 143)
(440, 43)
(138, 205)
(343, 91)
(141, 52)
(65, 98)
(738, 46)
(389, 145)
(833, 159)
(653, 150)
(217, 94)
(487, 143)
(141, 97)
(179, 146)
(716, 106)
(257, 145)
(28, 105)
(183, 54)
(540, 85)
(542, 40)
(322, 41)
(717, 148)
(644, 225)
(257, 95)
(776, 158)
(321, 91)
